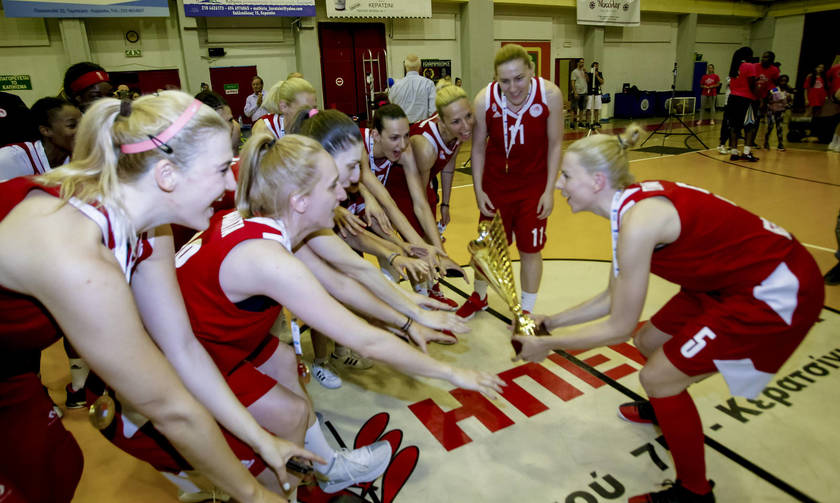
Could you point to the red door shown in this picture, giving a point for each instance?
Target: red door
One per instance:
(234, 83)
(344, 49)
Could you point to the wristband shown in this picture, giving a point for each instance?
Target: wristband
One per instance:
(444, 204)
(407, 324)
(393, 257)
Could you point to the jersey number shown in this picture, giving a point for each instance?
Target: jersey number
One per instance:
(539, 236)
(697, 343)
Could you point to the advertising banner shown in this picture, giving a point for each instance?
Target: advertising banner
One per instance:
(379, 8)
(100, 8)
(249, 8)
(608, 12)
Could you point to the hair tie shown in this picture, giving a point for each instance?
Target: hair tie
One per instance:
(313, 112)
(125, 108)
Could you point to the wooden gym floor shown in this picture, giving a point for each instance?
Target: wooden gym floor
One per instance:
(555, 436)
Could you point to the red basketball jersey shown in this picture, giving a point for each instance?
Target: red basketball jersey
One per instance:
(392, 177)
(521, 169)
(721, 246)
(275, 124)
(25, 324)
(23, 159)
(229, 331)
(429, 130)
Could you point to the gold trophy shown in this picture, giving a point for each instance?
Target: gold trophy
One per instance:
(491, 262)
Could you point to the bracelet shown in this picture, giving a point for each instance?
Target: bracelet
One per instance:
(407, 324)
(393, 257)
(444, 204)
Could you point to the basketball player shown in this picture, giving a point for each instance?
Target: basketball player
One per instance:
(516, 149)
(750, 293)
(103, 214)
(235, 275)
(283, 101)
(56, 120)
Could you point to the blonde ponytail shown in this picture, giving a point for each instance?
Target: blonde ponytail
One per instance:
(607, 153)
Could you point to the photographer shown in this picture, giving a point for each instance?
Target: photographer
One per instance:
(593, 102)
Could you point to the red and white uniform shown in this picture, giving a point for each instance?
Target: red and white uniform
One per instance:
(355, 203)
(392, 177)
(712, 80)
(444, 152)
(749, 290)
(24, 159)
(516, 172)
(275, 124)
(39, 456)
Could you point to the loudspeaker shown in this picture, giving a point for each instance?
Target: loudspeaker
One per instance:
(216, 52)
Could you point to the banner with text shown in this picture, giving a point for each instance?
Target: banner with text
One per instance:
(100, 8)
(609, 12)
(379, 8)
(249, 8)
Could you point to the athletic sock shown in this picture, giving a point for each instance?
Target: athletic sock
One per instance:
(747, 150)
(316, 442)
(79, 371)
(680, 423)
(734, 151)
(481, 288)
(528, 301)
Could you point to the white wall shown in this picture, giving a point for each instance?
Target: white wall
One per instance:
(435, 38)
(787, 41)
(158, 40)
(642, 56)
(39, 55)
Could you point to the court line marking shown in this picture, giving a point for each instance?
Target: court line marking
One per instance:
(714, 444)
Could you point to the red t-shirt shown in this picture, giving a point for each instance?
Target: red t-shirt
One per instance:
(740, 85)
(765, 79)
(711, 80)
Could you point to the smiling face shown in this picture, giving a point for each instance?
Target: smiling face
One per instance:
(458, 120)
(62, 130)
(393, 139)
(576, 184)
(347, 162)
(257, 85)
(710, 69)
(200, 184)
(325, 195)
(514, 78)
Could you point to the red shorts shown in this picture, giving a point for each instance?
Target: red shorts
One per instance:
(740, 334)
(520, 220)
(406, 206)
(246, 381)
(40, 459)
(432, 197)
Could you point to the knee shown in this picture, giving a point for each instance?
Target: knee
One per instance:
(651, 380)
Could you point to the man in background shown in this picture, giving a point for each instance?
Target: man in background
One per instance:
(579, 89)
(253, 103)
(593, 102)
(414, 93)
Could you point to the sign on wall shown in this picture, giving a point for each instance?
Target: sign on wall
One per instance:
(15, 83)
(435, 69)
(609, 12)
(379, 8)
(106, 8)
(249, 8)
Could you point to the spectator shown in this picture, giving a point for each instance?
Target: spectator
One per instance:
(580, 86)
(414, 93)
(593, 102)
(815, 93)
(253, 103)
(833, 82)
(778, 101)
(708, 94)
(458, 81)
(204, 86)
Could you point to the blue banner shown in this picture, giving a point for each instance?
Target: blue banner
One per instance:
(137, 8)
(249, 8)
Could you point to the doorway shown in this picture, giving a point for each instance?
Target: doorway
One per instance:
(563, 68)
(234, 84)
(147, 81)
(352, 64)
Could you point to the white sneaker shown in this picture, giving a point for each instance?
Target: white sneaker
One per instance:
(348, 358)
(835, 147)
(364, 464)
(325, 375)
(723, 149)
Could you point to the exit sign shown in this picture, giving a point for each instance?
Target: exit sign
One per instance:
(133, 53)
(231, 88)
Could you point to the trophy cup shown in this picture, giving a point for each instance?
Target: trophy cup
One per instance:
(491, 262)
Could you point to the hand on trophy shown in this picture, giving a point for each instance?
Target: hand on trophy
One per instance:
(531, 349)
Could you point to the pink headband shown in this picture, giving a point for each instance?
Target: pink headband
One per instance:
(161, 139)
(313, 112)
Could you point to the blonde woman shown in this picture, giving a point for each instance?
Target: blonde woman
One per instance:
(283, 101)
(516, 147)
(750, 293)
(235, 275)
(86, 247)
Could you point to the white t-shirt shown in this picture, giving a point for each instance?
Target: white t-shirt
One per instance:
(579, 81)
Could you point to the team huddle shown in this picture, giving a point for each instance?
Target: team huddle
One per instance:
(164, 261)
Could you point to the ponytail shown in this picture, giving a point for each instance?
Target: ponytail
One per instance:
(608, 154)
